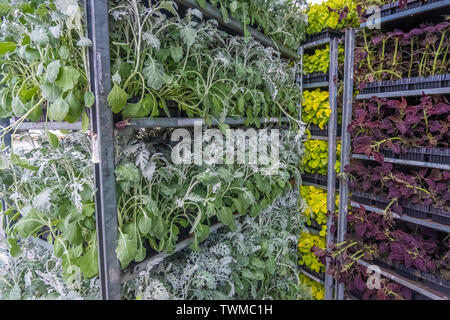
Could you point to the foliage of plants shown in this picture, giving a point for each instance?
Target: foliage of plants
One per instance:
(160, 61)
(43, 61)
(315, 159)
(37, 275)
(316, 206)
(396, 125)
(316, 107)
(52, 195)
(320, 60)
(400, 185)
(306, 243)
(316, 290)
(420, 52)
(283, 21)
(256, 261)
(333, 14)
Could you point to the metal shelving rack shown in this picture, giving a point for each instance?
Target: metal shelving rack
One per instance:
(102, 127)
(387, 22)
(331, 137)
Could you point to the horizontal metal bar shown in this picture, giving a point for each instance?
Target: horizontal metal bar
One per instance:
(405, 93)
(316, 85)
(189, 122)
(238, 26)
(306, 183)
(49, 125)
(409, 14)
(407, 162)
(44, 244)
(413, 285)
(130, 273)
(316, 43)
(422, 222)
(311, 276)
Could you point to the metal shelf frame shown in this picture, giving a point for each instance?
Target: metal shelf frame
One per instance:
(331, 138)
(103, 131)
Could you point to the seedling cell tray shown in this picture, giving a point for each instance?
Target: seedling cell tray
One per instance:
(393, 8)
(315, 77)
(328, 33)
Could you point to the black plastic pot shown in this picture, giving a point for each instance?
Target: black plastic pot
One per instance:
(316, 131)
(315, 77)
(416, 211)
(440, 216)
(407, 84)
(328, 33)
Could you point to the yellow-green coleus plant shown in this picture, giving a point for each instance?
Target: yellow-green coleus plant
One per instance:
(315, 159)
(316, 107)
(320, 16)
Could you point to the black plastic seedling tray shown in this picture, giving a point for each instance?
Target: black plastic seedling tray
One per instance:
(316, 131)
(315, 77)
(328, 33)
(433, 155)
(407, 84)
(440, 216)
(393, 8)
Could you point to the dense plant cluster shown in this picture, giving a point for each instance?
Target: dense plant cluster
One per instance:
(420, 52)
(315, 159)
(316, 107)
(429, 187)
(160, 61)
(283, 21)
(395, 124)
(333, 14)
(158, 202)
(255, 261)
(43, 61)
(306, 243)
(316, 290)
(319, 61)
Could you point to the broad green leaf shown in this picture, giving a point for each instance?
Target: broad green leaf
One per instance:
(75, 107)
(126, 248)
(169, 7)
(176, 53)
(140, 109)
(89, 99)
(128, 172)
(64, 52)
(53, 139)
(52, 71)
(22, 163)
(50, 91)
(68, 78)
(117, 99)
(6, 47)
(58, 110)
(39, 36)
(14, 249)
(160, 228)
(201, 3)
(58, 247)
(28, 225)
(145, 225)
(155, 75)
(84, 122)
(208, 178)
(225, 215)
(89, 262)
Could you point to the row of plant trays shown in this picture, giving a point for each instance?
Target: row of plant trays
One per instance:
(414, 210)
(316, 131)
(325, 34)
(395, 7)
(424, 154)
(406, 84)
(315, 77)
(435, 282)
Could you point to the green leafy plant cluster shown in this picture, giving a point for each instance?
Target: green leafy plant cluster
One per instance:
(43, 62)
(315, 159)
(316, 206)
(306, 242)
(315, 289)
(50, 194)
(319, 61)
(283, 21)
(316, 107)
(187, 62)
(333, 14)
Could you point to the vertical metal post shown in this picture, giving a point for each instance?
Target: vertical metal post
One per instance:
(331, 179)
(7, 141)
(345, 143)
(102, 130)
(300, 80)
